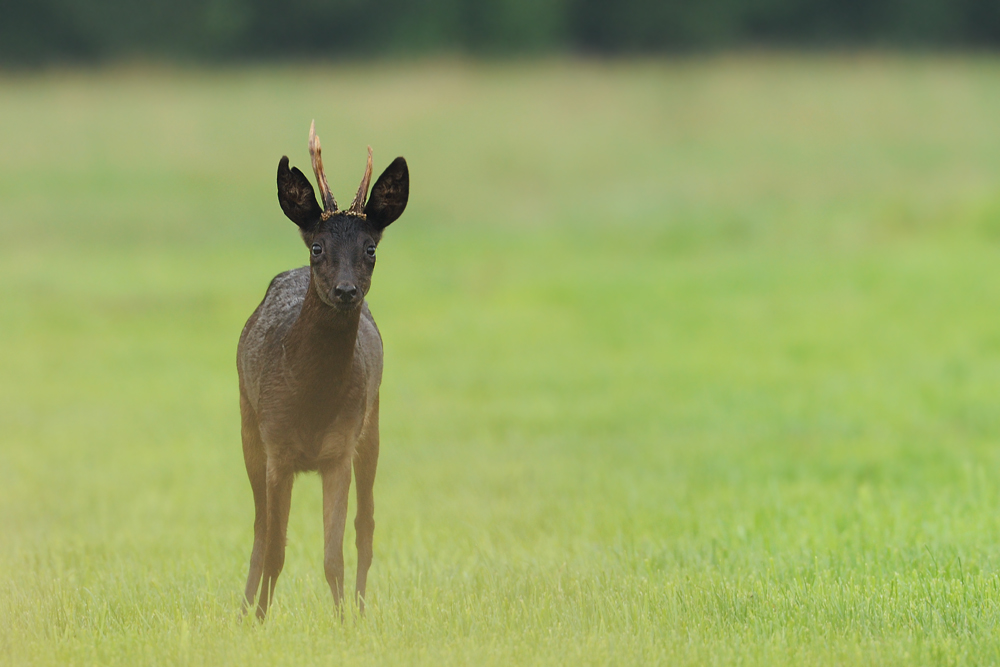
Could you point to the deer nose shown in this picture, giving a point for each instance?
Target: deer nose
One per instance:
(345, 291)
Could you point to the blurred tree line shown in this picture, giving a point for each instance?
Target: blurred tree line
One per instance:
(33, 31)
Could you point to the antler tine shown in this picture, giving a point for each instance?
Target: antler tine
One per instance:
(358, 205)
(315, 152)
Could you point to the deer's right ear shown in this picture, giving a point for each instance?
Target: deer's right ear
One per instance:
(296, 196)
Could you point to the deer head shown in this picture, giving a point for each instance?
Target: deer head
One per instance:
(342, 244)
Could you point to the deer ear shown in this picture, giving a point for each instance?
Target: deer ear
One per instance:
(296, 196)
(389, 195)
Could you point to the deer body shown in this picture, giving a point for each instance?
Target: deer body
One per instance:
(312, 372)
(310, 364)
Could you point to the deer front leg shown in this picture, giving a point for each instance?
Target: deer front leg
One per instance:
(336, 485)
(279, 500)
(256, 464)
(365, 463)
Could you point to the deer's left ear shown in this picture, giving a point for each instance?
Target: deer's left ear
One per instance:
(389, 195)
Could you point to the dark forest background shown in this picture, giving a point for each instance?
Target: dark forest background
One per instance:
(42, 31)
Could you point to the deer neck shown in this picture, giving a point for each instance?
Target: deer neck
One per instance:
(319, 347)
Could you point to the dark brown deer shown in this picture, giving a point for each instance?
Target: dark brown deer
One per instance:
(310, 364)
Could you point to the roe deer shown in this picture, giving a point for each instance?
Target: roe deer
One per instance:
(310, 364)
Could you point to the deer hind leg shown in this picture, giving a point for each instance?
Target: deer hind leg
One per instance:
(256, 463)
(279, 500)
(365, 463)
(336, 486)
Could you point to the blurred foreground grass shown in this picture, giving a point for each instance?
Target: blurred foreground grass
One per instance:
(692, 362)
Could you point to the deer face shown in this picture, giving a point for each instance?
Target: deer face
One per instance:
(342, 258)
(342, 243)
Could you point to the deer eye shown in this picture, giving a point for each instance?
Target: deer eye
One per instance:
(370, 250)
(317, 250)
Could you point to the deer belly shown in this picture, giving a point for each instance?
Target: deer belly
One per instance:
(304, 448)
(326, 450)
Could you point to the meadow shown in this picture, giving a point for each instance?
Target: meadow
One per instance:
(687, 362)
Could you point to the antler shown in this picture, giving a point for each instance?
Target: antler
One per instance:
(329, 203)
(358, 205)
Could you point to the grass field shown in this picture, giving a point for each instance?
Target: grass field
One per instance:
(693, 362)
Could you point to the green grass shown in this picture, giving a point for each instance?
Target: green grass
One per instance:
(693, 362)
